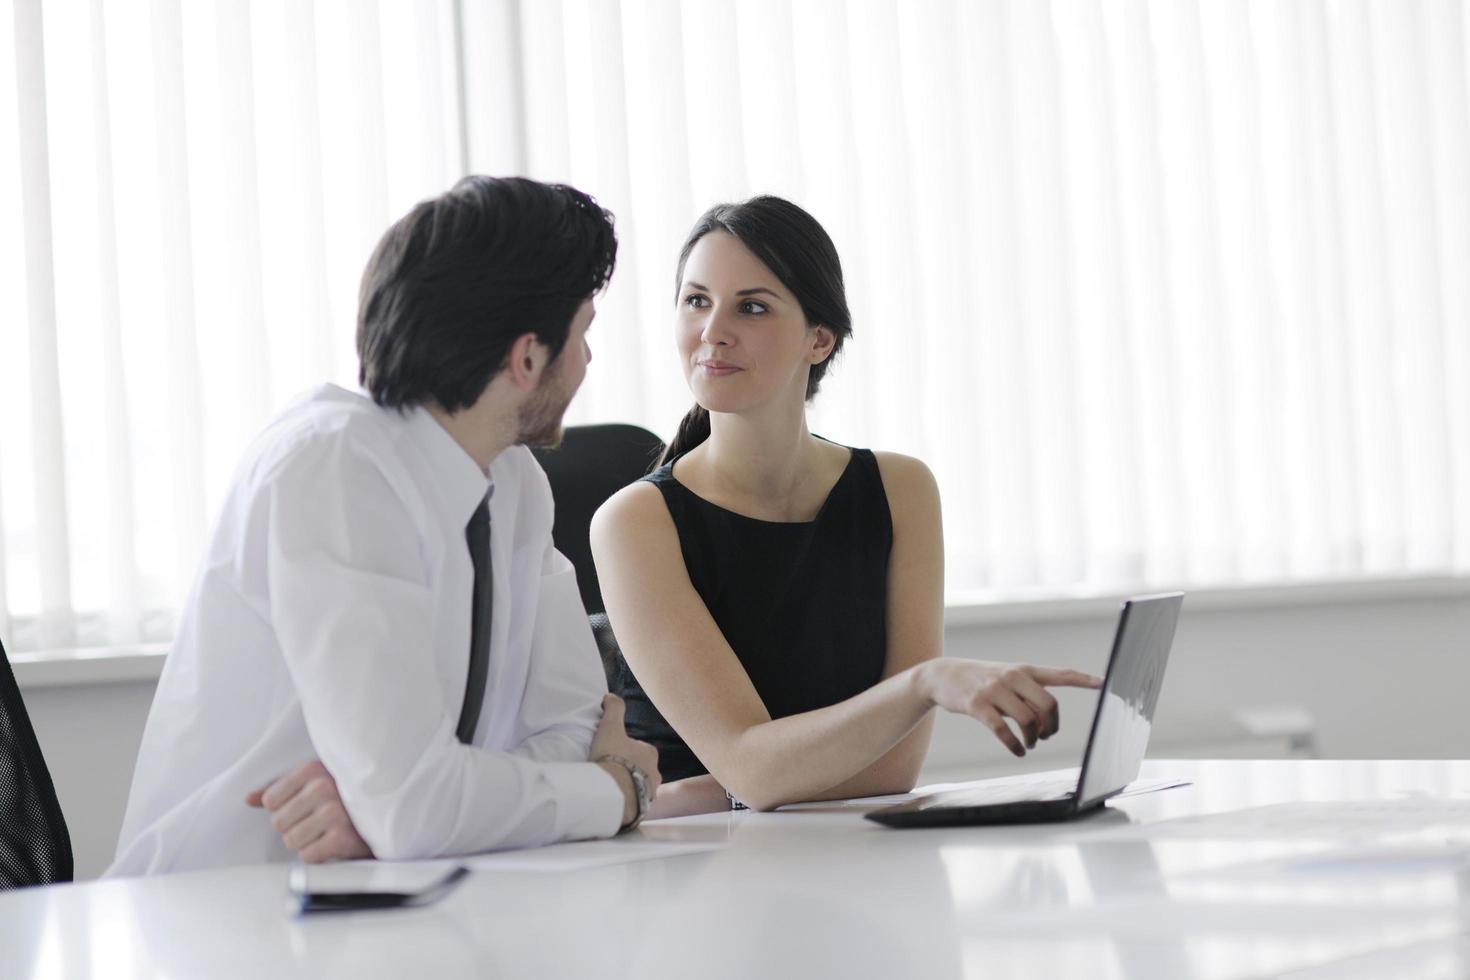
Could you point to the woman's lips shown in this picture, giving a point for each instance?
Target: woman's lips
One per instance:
(718, 368)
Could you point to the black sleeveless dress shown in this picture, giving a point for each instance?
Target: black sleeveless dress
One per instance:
(803, 605)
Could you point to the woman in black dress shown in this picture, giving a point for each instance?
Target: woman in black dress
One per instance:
(779, 598)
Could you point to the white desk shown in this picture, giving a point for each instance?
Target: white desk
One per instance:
(825, 894)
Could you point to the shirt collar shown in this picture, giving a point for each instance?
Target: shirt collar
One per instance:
(458, 481)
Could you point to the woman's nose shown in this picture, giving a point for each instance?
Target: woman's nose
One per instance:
(716, 332)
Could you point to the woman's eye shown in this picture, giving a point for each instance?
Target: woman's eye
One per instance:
(751, 306)
(695, 301)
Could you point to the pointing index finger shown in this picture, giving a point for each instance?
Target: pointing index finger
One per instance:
(1065, 677)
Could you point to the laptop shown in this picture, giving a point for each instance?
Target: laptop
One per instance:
(1115, 747)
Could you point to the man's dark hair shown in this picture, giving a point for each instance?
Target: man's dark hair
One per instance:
(456, 280)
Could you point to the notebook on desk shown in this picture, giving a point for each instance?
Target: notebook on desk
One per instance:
(1115, 746)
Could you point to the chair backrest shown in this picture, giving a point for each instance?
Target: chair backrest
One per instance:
(592, 463)
(35, 848)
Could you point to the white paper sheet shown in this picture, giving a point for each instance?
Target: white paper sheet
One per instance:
(868, 802)
(587, 854)
(414, 876)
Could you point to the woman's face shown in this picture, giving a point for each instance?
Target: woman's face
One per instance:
(742, 337)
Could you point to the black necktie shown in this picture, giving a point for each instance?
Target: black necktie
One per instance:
(478, 536)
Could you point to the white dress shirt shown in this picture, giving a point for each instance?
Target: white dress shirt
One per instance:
(331, 620)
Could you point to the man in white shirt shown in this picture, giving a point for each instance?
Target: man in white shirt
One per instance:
(381, 593)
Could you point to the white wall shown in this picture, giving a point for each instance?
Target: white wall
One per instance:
(89, 734)
(1384, 677)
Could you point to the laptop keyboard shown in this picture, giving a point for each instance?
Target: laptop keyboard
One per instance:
(1051, 789)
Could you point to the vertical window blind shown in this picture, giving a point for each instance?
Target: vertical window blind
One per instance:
(1167, 293)
(188, 192)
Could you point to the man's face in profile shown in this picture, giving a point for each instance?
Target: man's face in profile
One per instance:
(541, 415)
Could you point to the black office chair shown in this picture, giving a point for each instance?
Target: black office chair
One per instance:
(35, 848)
(593, 463)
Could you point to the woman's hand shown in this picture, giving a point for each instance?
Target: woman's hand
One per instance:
(695, 794)
(990, 693)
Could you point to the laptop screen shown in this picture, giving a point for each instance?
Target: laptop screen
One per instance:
(1130, 692)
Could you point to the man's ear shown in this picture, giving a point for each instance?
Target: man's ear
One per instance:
(525, 361)
(824, 341)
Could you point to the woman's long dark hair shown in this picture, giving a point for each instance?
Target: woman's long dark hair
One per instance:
(799, 252)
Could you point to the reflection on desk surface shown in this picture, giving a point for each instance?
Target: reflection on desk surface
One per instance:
(829, 894)
(1326, 820)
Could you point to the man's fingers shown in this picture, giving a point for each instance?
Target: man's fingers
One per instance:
(283, 789)
(294, 811)
(289, 785)
(319, 851)
(337, 844)
(992, 720)
(1064, 677)
(310, 828)
(327, 834)
(652, 775)
(612, 714)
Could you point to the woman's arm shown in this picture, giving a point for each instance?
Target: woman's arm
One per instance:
(697, 682)
(915, 619)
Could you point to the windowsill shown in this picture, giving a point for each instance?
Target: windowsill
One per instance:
(976, 610)
(142, 663)
(91, 665)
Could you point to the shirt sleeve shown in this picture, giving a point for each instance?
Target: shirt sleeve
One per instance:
(564, 690)
(351, 603)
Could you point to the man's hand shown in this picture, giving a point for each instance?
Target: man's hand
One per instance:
(307, 811)
(612, 739)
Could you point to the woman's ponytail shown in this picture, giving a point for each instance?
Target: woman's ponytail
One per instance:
(693, 430)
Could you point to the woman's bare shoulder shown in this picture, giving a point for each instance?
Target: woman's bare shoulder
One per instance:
(906, 479)
(638, 506)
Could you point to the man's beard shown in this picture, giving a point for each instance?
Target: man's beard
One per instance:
(541, 415)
